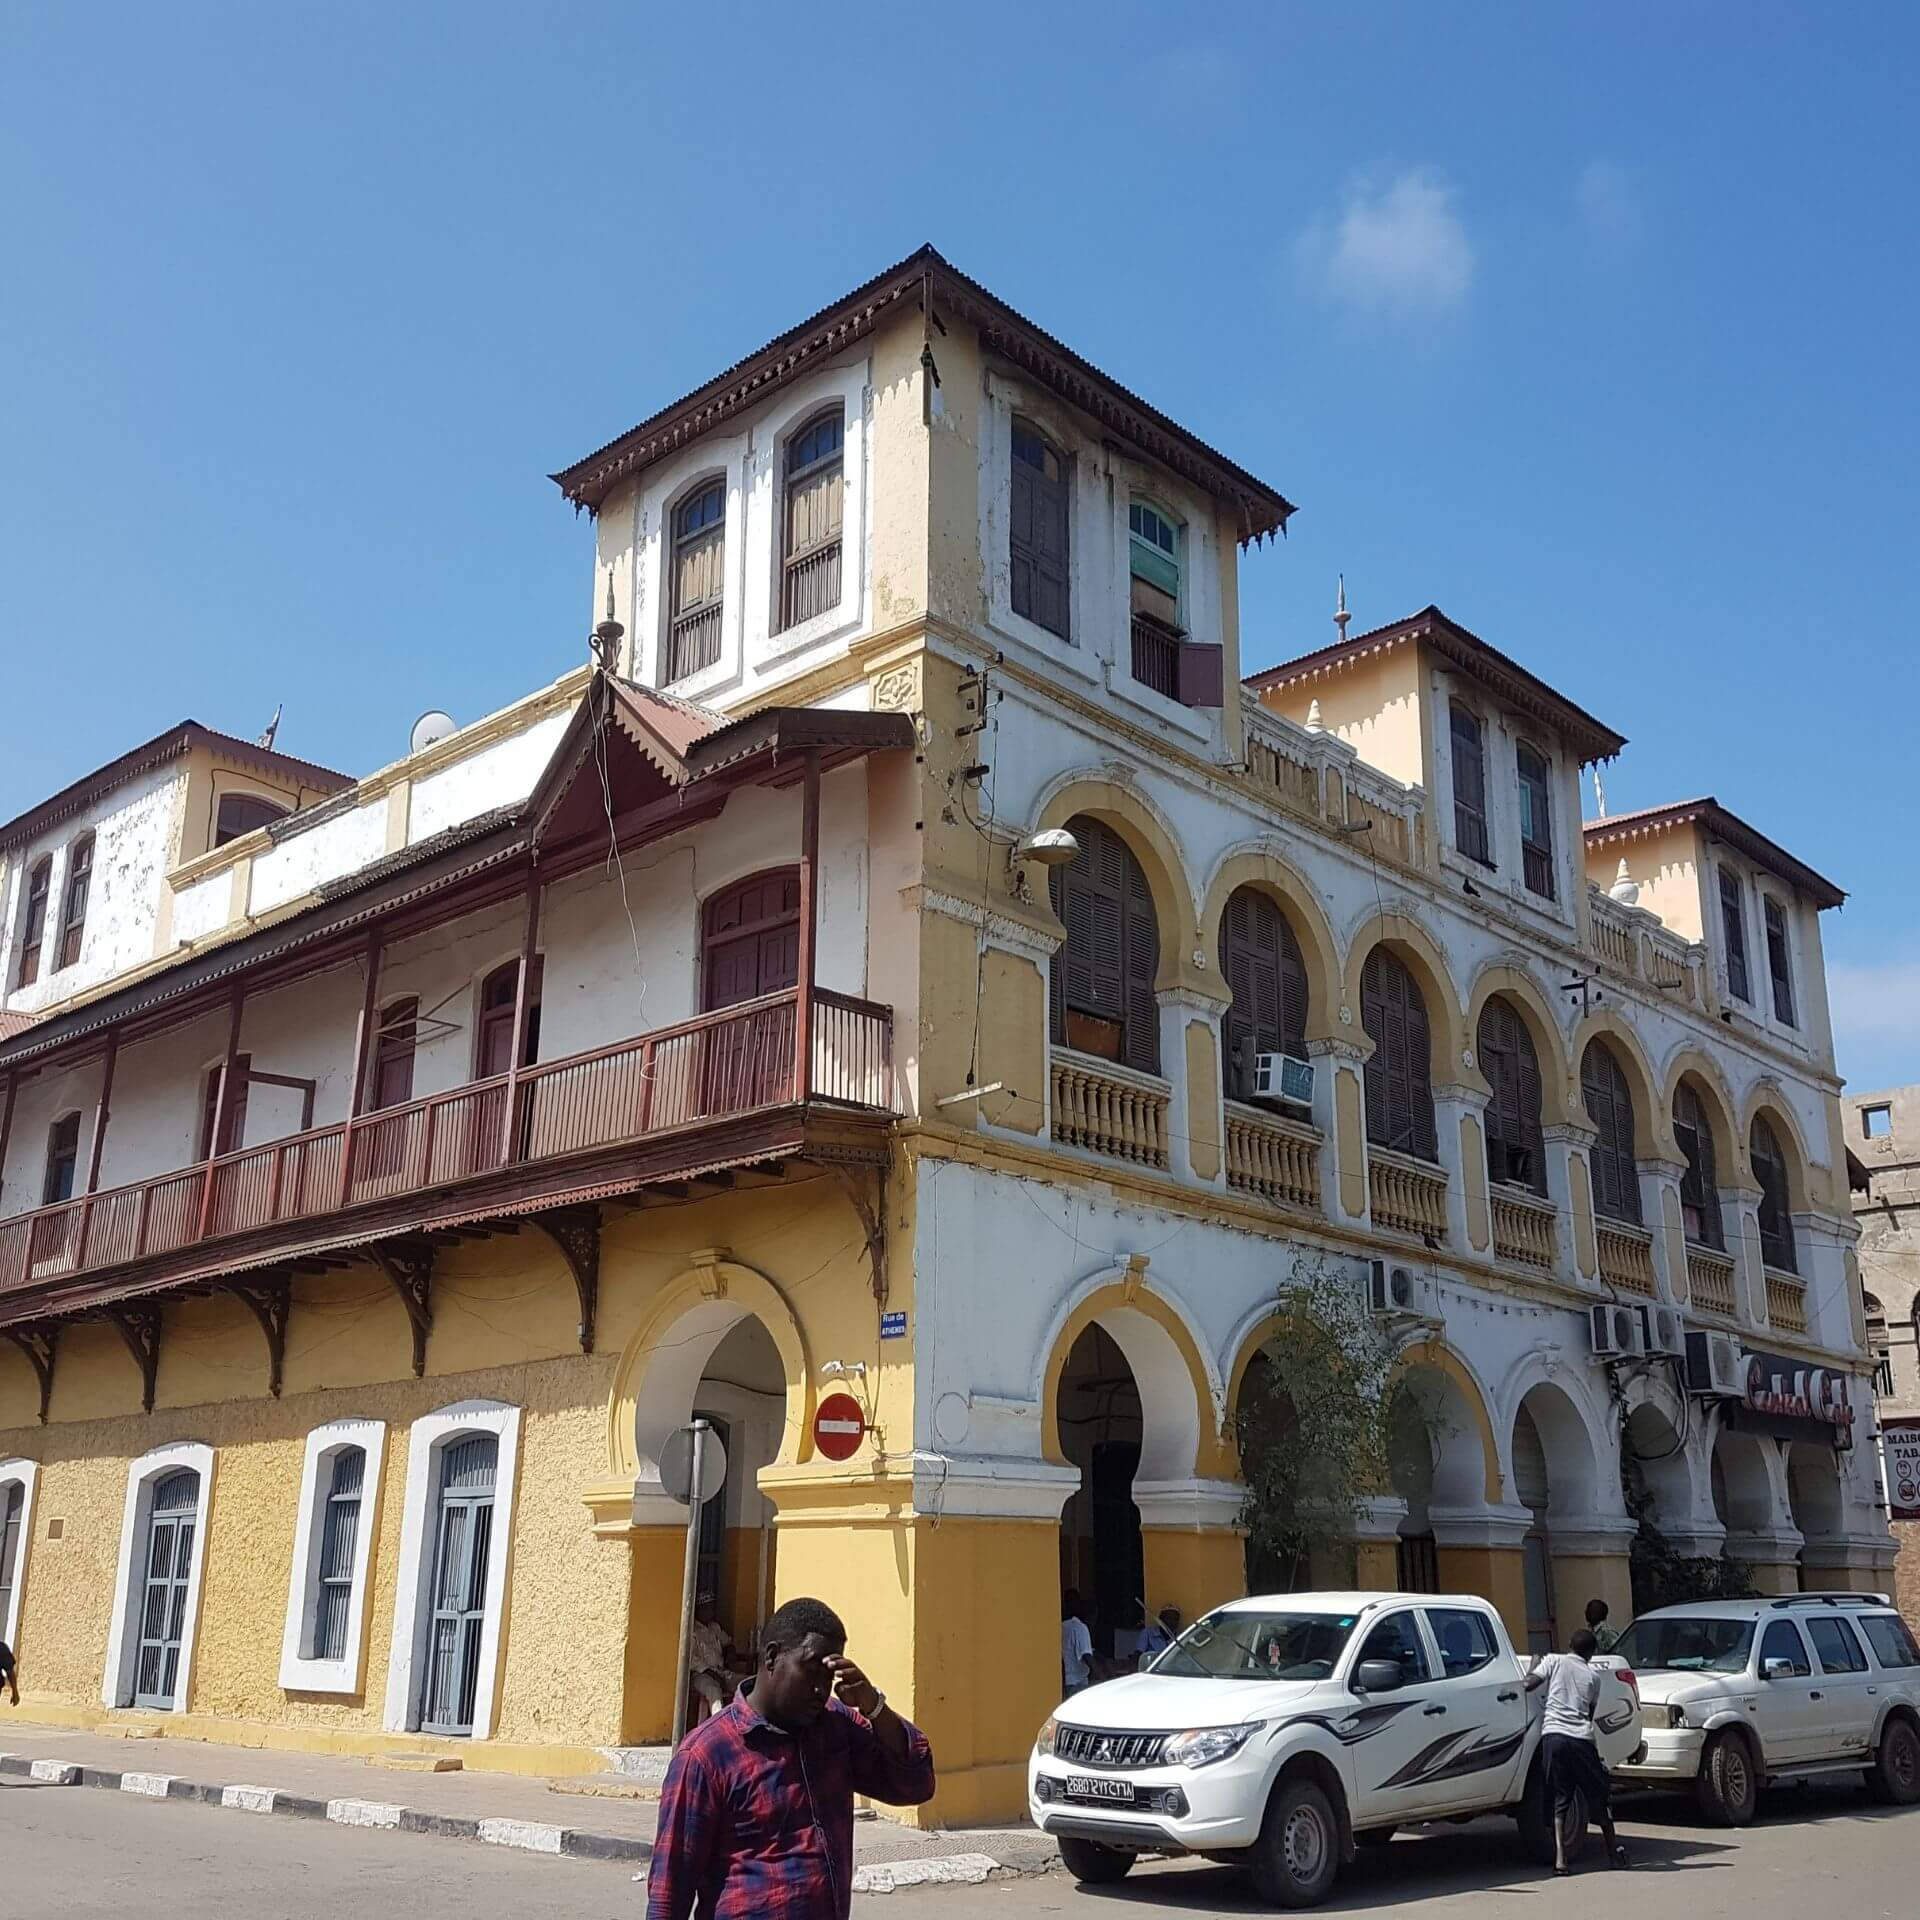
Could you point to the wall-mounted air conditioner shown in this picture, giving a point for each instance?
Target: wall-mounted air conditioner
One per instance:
(1399, 1293)
(1713, 1365)
(1665, 1330)
(1279, 1076)
(1617, 1333)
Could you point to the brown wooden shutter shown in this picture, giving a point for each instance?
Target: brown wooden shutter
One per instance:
(1038, 533)
(1616, 1179)
(1261, 963)
(1776, 1206)
(1469, 784)
(1399, 1075)
(1516, 1146)
(1107, 965)
(1699, 1185)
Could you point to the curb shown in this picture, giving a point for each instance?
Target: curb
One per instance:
(530, 1836)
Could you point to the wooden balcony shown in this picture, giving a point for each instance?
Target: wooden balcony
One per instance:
(1523, 1226)
(1710, 1280)
(1274, 1157)
(1626, 1256)
(1786, 1301)
(1407, 1195)
(1109, 1109)
(707, 1093)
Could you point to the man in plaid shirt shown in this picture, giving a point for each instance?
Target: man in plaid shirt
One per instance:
(756, 1816)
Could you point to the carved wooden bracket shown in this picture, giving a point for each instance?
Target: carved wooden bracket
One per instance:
(271, 1303)
(576, 1232)
(39, 1344)
(410, 1268)
(140, 1329)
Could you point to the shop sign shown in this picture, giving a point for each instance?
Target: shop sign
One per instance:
(1900, 1442)
(1788, 1396)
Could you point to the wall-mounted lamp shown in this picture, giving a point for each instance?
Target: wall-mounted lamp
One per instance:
(843, 1369)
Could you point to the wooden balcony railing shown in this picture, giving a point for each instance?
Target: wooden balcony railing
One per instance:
(1710, 1280)
(1523, 1229)
(1274, 1157)
(1156, 657)
(1406, 1194)
(1626, 1256)
(1108, 1109)
(1786, 1301)
(716, 1067)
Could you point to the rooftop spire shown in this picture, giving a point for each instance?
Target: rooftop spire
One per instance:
(1340, 614)
(604, 642)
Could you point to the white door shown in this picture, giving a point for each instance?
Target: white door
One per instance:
(1486, 1718)
(1843, 1706)
(1784, 1709)
(1402, 1737)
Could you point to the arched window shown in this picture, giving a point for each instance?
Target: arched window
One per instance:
(1037, 536)
(1261, 963)
(1776, 1205)
(1616, 1179)
(699, 580)
(1699, 1185)
(1399, 1072)
(73, 901)
(1101, 984)
(816, 508)
(242, 813)
(33, 921)
(1516, 1149)
(493, 1031)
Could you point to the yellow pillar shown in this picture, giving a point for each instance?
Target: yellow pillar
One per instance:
(653, 1613)
(1774, 1576)
(1376, 1566)
(1193, 1568)
(1580, 1577)
(1494, 1573)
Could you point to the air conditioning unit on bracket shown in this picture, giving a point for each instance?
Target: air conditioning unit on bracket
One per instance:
(1665, 1330)
(1617, 1331)
(1399, 1293)
(1713, 1365)
(1279, 1076)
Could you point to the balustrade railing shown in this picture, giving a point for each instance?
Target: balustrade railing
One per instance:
(1786, 1301)
(1523, 1229)
(712, 1068)
(1710, 1280)
(1156, 657)
(1274, 1157)
(1108, 1109)
(1626, 1256)
(1405, 1194)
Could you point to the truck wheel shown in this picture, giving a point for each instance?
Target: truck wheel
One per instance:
(1094, 1865)
(1298, 1853)
(1728, 1788)
(1535, 1821)
(1895, 1774)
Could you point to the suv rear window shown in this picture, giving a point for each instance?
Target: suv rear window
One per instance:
(1892, 1644)
(1258, 1646)
(1834, 1642)
(1680, 1645)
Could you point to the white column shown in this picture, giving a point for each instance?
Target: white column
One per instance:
(1658, 1178)
(1562, 1144)
(1449, 1105)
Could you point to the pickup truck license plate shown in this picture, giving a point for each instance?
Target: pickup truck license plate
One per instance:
(1091, 1786)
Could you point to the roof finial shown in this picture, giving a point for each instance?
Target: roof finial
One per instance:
(1314, 723)
(604, 642)
(1340, 614)
(1624, 888)
(1599, 794)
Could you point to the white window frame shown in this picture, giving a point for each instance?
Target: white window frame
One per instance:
(299, 1671)
(25, 1474)
(427, 1439)
(123, 1634)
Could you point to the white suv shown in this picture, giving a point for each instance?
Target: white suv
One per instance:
(1739, 1692)
(1280, 1733)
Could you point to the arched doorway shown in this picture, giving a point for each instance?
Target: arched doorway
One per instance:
(743, 1392)
(1266, 1421)
(1658, 1487)
(1102, 1427)
(1555, 1478)
(1813, 1493)
(1435, 1464)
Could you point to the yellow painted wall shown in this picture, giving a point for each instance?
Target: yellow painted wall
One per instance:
(1494, 1573)
(1580, 1577)
(1192, 1568)
(1586, 1252)
(1350, 1124)
(1203, 1100)
(1373, 704)
(1667, 867)
(1013, 1040)
(900, 479)
(1473, 1163)
(1781, 1577)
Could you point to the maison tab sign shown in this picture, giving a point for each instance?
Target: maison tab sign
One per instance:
(1791, 1393)
(1900, 1442)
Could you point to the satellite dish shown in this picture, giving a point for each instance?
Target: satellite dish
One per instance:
(431, 726)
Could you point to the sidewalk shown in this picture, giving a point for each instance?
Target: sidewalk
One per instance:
(601, 1816)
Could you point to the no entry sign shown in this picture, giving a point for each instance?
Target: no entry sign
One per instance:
(838, 1426)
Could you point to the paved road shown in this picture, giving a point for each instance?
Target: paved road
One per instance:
(75, 1854)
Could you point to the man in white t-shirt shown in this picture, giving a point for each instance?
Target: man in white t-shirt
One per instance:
(1569, 1746)
(1076, 1645)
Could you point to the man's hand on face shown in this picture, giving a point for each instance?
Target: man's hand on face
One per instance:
(853, 1687)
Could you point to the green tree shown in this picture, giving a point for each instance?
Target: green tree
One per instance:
(1662, 1575)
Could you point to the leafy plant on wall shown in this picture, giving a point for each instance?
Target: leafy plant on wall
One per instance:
(1662, 1575)
(1316, 1424)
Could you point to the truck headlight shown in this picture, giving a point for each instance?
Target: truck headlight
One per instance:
(1043, 1741)
(1202, 1746)
(1676, 1716)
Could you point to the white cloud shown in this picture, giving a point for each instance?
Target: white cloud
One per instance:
(1876, 1019)
(1399, 248)
(1604, 200)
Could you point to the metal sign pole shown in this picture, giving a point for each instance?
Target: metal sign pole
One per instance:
(688, 1578)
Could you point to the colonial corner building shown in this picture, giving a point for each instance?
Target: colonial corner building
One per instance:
(911, 962)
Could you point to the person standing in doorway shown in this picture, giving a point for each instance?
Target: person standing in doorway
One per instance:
(756, 1813)
(1604, 1636)
(1076, 1645)
(1161, 1633)
(1569, 1746)
(712, 1658)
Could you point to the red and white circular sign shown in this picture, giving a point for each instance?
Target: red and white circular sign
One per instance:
(839, 1426)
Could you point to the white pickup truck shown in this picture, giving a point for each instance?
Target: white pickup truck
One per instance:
(1279, 1733)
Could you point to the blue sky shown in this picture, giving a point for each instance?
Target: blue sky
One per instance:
(1593, 325)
